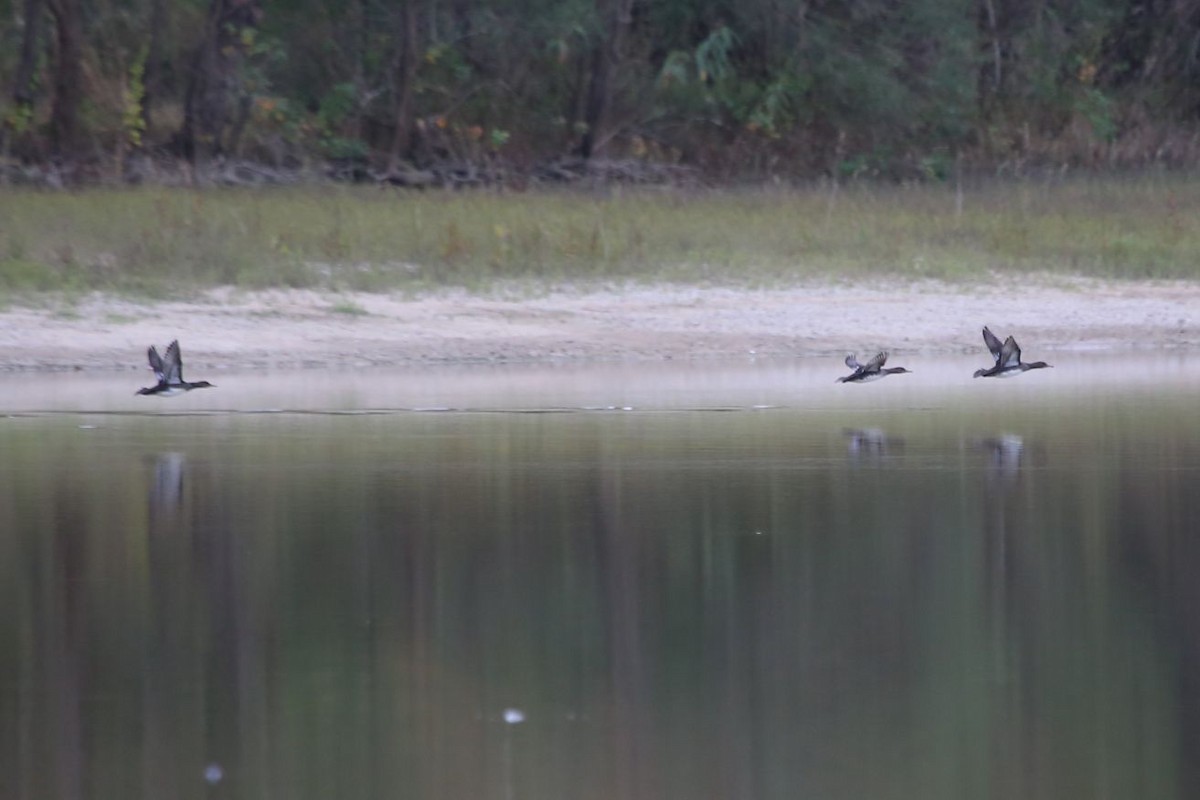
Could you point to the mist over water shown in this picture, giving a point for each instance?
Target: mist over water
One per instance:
(934, 588)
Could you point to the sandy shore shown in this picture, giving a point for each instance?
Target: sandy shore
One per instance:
(294, 328)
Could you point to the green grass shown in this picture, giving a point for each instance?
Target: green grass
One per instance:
(119, 319)
(165, 241)
(348, 308)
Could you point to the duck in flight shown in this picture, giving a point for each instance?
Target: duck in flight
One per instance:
(1007, 357)
(871, 371)
(169, 371)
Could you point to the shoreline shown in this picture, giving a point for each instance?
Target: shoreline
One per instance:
(303, 329)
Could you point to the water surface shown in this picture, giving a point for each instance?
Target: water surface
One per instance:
(687, 581)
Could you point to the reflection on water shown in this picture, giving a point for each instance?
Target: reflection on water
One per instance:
(166, 493)
(983, 599)
(871, 445)
(1005, 454)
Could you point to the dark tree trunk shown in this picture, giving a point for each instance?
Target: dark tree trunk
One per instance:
(615, 16)
(213, 105)
(464, 30)
(361, 44)
(993, 63)
(68, 76)
(406, 71)
(598, 98)
(30, 44)
(577, 108)
(152, 78)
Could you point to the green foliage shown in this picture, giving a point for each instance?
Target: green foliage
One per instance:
(885, 86)
(338, 107)
(18, 118)
(1098, 110)
(264, 55)
(708, 81)
(133, 119)
(713, 63)
(446, 67)
(341, 147)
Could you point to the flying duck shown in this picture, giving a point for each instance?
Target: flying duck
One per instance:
(1007, 357)
(871, 371)
(169, 371)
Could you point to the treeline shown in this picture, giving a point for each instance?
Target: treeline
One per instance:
(745, 88)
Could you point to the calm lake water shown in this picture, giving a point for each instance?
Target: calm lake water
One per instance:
(726, 581)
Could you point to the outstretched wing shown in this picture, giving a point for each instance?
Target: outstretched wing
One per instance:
(172, 364)
(993, 344)
(852, 362)
(876, 363)
(1010, 353)
(156, 363)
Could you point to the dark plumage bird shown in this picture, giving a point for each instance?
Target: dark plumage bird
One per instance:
(169, 371)
(1007, 357)
(871, 371)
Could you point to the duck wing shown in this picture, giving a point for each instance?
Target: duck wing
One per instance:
(993, 344)
(852, 362)
(1010, 353)
(156, 363)
(173, 364)
(876, 363)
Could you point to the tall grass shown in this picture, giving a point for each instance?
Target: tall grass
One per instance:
(169, 240)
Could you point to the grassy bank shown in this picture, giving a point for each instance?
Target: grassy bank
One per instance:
(159, 241)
